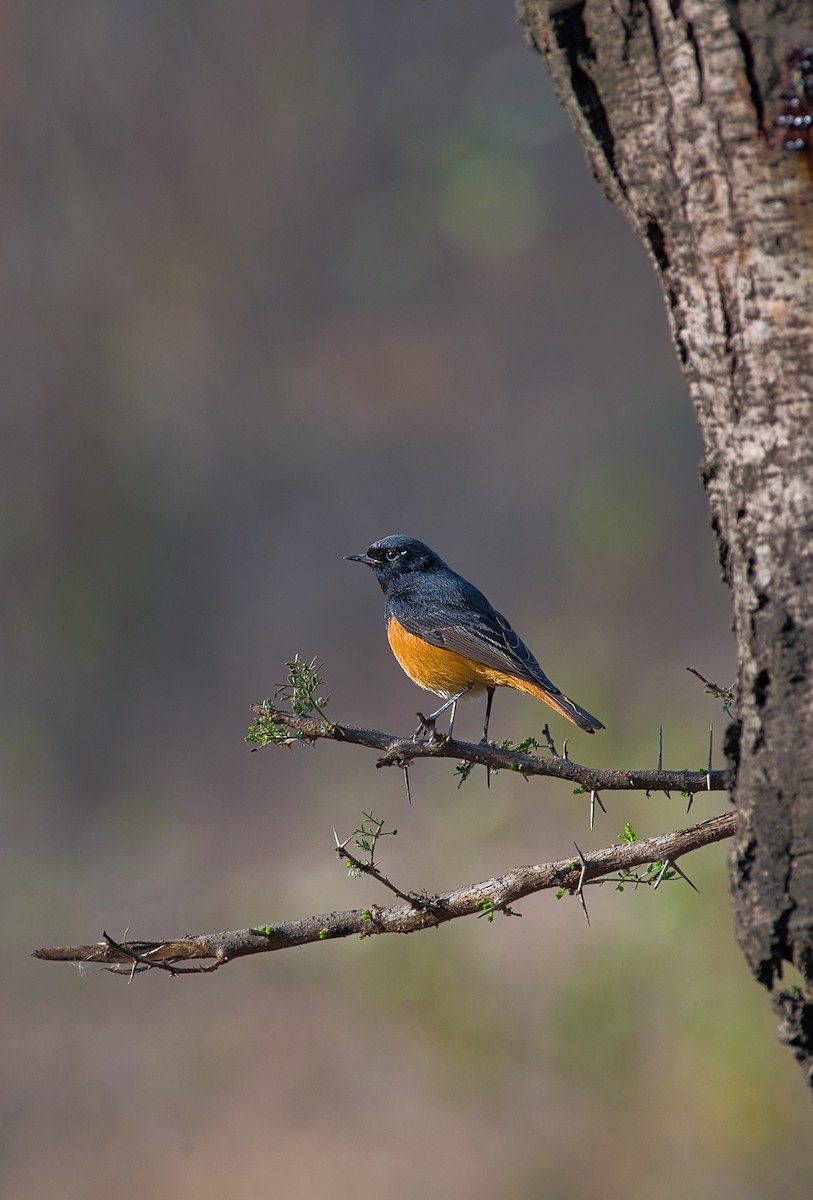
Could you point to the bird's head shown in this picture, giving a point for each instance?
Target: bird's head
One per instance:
(395, 556)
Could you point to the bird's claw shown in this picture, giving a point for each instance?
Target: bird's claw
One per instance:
(426, 730)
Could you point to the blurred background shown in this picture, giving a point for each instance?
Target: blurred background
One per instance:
(279, 279)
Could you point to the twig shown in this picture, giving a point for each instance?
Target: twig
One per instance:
(726, 694)
(400, 752)
(549, 742)
(407, 917)
(367, 868)
(141, 962)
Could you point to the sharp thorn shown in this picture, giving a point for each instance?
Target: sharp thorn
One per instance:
(664, 868)
(580, 886)
(683, 875)
(340, 845)
(711, 745)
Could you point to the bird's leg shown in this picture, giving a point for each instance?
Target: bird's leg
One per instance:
(427, 724)
(484, 738)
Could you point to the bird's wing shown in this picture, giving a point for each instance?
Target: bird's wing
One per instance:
(483, 636)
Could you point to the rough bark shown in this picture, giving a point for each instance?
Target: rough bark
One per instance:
(675, 104)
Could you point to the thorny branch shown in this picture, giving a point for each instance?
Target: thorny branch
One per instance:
(400, 752)
(418, 912)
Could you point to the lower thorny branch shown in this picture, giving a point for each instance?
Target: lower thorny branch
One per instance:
(409, 916)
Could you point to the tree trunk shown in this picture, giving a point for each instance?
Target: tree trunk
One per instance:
(676, 104)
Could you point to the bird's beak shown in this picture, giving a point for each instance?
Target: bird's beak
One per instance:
(365, 558)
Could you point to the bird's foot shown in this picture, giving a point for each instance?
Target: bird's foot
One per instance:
(426, 731)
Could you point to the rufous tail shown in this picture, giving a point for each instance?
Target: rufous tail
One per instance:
(565, 707)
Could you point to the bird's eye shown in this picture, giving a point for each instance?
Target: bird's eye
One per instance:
(393, 554)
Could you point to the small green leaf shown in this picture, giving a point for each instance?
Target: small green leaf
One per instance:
(463, 770)
(367, 835)
(299, 691)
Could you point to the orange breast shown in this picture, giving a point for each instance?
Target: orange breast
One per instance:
(444, 672)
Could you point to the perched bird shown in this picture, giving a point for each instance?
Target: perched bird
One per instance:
(449, 639)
